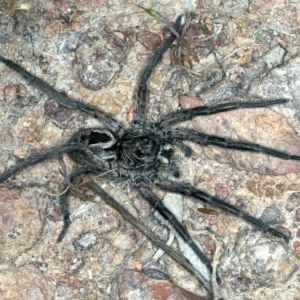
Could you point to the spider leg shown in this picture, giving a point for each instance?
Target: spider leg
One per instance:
(184, 115)
(71, 103)
(157, 204)
(63, 199)
(91, 170)
(188, 190)
(71, 147)
(187, 151)
(205, 139)
(152, 237)
(142, 89)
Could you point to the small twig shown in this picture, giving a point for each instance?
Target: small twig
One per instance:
(64, 173)
(57, 194)
(92, 178)
(155, 14)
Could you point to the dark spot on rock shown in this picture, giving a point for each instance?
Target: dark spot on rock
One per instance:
(194, 31)
(271, 215)
(56, 111)
(76, 265)
(13, 119)
(293, 201)
(223, 39)
(6, 38)
(297, 215)
(24, 23)
(86, 241)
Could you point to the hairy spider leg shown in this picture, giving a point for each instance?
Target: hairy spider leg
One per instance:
(71, 103)
(35, 159)
(188, 190)
(154, 201)
(63, 199)
(152, 237)
(157, 204)
(90, 170)
(205, 140)
(141, 95)
(188, 114)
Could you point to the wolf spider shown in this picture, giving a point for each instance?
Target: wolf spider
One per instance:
(144, 152)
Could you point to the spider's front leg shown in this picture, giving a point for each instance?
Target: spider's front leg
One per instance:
(67, 148)
(73, 104)
(142, 90)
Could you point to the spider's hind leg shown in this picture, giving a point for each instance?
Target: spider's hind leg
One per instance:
(157, 204)
(188, 190)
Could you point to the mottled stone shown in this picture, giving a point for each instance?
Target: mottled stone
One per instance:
(7, 138)
(271, 215)
(86, 241)
(222, 192)
(125, 239)
(253, 262)
(297, 215)
(107, 219)
(148, 39)
(142, 206)
(293, 201)
(20, 220)
(49, 22)
(56, 111)
(24, 22)
(133, 285)
(264, 186)
(99, 56)
(76, 264)
(13, 92)
(194, 31)
(26, 283)
(106, 103)
(10, 92)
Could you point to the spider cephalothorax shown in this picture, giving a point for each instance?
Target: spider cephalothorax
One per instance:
(138, 148)
(144, 152)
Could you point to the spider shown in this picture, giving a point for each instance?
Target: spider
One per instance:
(144, 152)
